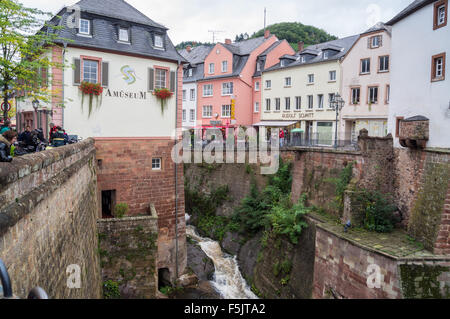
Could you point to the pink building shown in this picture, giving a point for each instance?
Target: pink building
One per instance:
(231, 71)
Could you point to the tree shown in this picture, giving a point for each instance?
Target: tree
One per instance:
(24, 40)
(294, 32)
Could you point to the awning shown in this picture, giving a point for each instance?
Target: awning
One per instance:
(276, 123)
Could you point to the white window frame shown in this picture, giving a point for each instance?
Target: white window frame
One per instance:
(333, 79)
(268, 102)
(375, 41)
(226, 111)
(331, 97)
(224, 66)
(256, 110)
(207, 111)
(383, 62)
(310, 102)
(90, 72)
(80, 27)
(310, 77)
(190, 73)
(192, 115)
(257, 86)
(353, 93)
(159, 44)
(441, 14)
(184, 95)
(287, 103)
(211, 68)
(298, 103)
(159, 79)
(277, 104)
(207, 90)
(184, 115)
(439, 64)
(365, 62)
(288, 81)
(227, 88)
(268, 84)
(388, 93)
(192, 95)
(156, 164)
(121, 33)
(258, 67)
(320, 101)
(372, 90)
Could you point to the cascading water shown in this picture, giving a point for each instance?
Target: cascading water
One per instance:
(228, 280)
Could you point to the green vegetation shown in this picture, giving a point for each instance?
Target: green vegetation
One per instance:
(111, 290)
(377, 211)
(294, 32)
(121, 210)
(422, 282)
(272, 209)
(342, 183)
(168, 290)
(193, 44)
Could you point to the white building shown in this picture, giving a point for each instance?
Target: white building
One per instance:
(192, 73)
(420, 80)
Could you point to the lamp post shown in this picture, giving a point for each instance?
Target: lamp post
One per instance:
(337, 104)
(35, 104)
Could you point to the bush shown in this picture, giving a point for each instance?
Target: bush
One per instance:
(377, 212)
(121, 210)
(288, 220)
(111, 290)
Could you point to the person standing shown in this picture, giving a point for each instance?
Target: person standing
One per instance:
(6, 140)
(6, 127)
(281, 138)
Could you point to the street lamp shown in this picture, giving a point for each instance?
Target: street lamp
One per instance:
(337, 104)
(35, 104)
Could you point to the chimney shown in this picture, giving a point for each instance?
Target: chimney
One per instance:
(227, 41)
(301, 46)
(188, 48)
(266, 34)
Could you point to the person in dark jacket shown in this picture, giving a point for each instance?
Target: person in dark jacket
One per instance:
(6, 140)
(59, 138)
(25, 136)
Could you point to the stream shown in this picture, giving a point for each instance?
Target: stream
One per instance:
(228, 280)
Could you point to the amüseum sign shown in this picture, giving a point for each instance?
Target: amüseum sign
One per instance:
(126, 95)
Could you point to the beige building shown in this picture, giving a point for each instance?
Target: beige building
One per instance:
(366, 84)
(297, 92)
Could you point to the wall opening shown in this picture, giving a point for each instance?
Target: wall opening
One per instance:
(163, 278)
(108, 203)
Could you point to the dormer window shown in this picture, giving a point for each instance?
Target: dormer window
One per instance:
(158, 41)
(325, 55)
(124, 35)
(190, 72)
(303, 59)
(375, 42)
(85, 27)
(283, 63)
(258, 67)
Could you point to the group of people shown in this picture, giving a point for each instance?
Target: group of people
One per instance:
(29, 141)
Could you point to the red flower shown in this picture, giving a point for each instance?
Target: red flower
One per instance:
(91, 88)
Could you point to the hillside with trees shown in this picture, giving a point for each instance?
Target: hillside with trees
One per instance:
(294, 32)
(184, 44)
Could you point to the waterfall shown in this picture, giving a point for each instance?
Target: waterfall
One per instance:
(228, 279)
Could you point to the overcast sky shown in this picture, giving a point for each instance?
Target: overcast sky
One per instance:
(192, 19)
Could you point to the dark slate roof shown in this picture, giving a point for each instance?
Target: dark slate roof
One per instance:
(117, 9)
(197, 73)
(105, 24)
(416, 118)
(197, 55)
(413, 7)
(345, 44)
(239, 63)
(245, 47)
(380, 26)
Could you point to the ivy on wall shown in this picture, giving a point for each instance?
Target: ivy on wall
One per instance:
(422, 282)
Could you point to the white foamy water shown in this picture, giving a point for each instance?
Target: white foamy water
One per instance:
(227, 277)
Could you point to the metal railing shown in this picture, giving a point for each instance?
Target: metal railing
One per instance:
(6, 287)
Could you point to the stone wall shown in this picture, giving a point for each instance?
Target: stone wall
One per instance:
(422, 193)
(342, 270)
(128, 252)
(41, 235)
(125, 165)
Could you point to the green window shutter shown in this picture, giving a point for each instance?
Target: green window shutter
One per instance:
(77, 72)
(151, 79)
(172, 81)
(105, 74)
